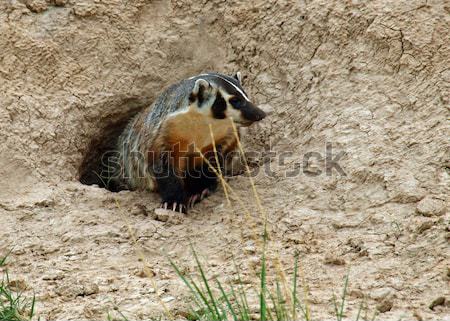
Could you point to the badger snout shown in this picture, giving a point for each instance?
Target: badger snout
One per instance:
(252, 113)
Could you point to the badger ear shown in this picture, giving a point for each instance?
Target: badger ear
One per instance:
(200, 91)
(238, 77)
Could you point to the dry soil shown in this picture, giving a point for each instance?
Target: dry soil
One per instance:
(368, 78)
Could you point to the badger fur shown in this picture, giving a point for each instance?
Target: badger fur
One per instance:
(157, 151)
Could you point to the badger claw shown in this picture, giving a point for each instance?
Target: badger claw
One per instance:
(175, 207)
(192, 200)
(204, 194)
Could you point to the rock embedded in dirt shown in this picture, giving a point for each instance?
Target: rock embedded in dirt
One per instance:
(36, 6)
(18, 285)
(60, 2)
(436, 302)
(430, 206)
(334, 260)
(380, 294)
(53, 276)
(168, 299)
(356, 293)
(90, 288)
(85, 9)
(68, 291)
(140, 272)
(385, 305)
(93, 311)
(250, 249)
(424, 226)
(169, 216)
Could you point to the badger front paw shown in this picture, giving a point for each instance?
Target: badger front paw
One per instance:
(174, 206)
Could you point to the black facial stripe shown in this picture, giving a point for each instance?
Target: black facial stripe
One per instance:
(201, 96)
(219, 107)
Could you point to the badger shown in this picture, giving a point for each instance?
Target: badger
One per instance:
(159, 148)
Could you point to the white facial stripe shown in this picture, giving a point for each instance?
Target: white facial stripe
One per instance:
(236, 87)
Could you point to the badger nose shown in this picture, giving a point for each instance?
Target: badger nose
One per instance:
(251, 113)
(260, 115)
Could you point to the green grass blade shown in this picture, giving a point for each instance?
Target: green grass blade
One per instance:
(208, 307)
(336, 311)
(275, 307)
(14, 306)
(205, 281)
(122, 315)
(245, 305)
(262, 299)
(297, 303)
(4, 258)
(294, 294)
(281, 302)
(239, 307)
(197, 299)
(193, 315)
(294, 289)
(359, 311)
(242, 293)
(225, 296)
(344, 295)
(33, 303)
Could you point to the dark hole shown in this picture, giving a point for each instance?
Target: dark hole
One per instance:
(104, 143)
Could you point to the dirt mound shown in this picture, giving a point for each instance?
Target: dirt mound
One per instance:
(358, 94)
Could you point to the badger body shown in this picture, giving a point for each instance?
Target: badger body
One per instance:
(158, 150)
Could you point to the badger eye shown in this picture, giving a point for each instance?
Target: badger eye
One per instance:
(236, 102)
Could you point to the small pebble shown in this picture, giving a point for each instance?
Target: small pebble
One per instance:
(169, 216)
(250, 249)
(90, 288)
(167, 299)
(381, 294)
(334, 260)
(430, 206)
(385, 306)
(18, 285)
(356, 294)
(36, 6)
(438, 301)
(424, 226)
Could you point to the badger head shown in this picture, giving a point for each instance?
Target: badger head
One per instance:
(220, 97)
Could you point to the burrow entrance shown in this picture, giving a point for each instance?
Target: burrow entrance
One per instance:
(105, 142)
